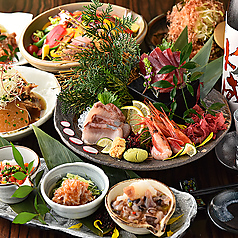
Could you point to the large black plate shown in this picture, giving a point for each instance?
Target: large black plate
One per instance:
(149, 164)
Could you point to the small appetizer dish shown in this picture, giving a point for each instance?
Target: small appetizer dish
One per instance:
(141, 206)
(53, 39)
(75, 190)
(25, 100)
(8, 165)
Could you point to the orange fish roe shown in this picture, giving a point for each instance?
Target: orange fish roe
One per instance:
(73, 192)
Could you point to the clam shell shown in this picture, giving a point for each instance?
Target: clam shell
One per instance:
(140, 229)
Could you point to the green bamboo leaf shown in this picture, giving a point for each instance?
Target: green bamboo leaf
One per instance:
(181, 41)
(59, 155)
(216, 106)
(186, 52)
(212, 73)
(132, 174)
(25, 205)
(4, 142)
(202, 57)
(189, 65)
(162, 84)
(19, 176)
(22, 191)
(195, 76)
(38, 177)
(167, 69)
(24, 217)
(18, 157)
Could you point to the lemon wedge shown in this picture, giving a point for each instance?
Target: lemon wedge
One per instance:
(45, 50)
(106, 143)
(189, 149)
(145, 110)
(133, 117)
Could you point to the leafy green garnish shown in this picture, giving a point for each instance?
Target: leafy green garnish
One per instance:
(108, 97)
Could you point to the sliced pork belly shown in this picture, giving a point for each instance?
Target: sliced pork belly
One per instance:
(92, 132)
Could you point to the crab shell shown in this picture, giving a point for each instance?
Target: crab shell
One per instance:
(140, 229)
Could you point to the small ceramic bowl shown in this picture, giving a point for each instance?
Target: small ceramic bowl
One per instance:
(140, 229)
(48, 88)
(82, 169)
(7, 190)
(39, 21)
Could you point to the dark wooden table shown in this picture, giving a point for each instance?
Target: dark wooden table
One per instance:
(207, 171)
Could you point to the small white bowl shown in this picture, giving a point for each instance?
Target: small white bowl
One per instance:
(7, 190)
(93, 172)
(48, 88)
(140, 229)
(39, 21)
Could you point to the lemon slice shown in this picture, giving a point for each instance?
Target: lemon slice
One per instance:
(106, 143)
(189, 149)
(145, 110)
(45, 50)
(133, 117)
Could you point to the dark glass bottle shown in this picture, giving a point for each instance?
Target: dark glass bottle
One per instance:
(232, 14)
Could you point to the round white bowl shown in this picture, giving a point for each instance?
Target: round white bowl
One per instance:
(93, 172)
(7, 190)
(117, 190)
(39, 21)
(48, 88)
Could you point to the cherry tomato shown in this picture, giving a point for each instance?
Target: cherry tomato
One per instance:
(32, 48)
(35, 38)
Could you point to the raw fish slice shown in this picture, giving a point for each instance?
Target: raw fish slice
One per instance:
(160, 56)
(113, 123)
(92, 132)
(107, 111)
(104, 120)
(169, 55)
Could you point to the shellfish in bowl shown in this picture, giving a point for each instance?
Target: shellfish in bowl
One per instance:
(141, 206)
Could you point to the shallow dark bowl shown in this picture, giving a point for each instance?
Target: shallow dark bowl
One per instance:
(223, 210)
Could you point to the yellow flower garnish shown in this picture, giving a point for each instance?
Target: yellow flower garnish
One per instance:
(169, 233)
(115, 233)
(173, 219)
(76, 226)
(206, 140)
(97, 226)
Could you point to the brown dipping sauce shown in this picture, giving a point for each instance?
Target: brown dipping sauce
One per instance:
(16, 113)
